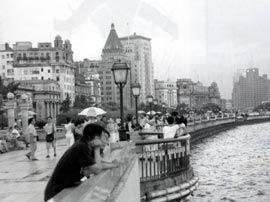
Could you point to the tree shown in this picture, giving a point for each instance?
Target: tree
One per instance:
(77, 102)
(65, 105)
(211, 107)
(5, 89)
(263, 107)
(182, 108)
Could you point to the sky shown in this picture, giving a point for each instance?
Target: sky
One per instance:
(205, 40)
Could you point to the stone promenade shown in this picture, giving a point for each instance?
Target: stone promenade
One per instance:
(24, 180)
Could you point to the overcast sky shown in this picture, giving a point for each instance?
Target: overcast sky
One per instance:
(206, 40)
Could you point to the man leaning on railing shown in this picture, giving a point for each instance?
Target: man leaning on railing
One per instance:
(79, 161)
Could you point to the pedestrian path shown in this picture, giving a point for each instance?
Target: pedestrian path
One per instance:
(24, 180)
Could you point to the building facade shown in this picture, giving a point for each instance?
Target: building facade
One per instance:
(139, 51)
(166, 92)
(88, 85)
(44, 98)
(6, 61)
(251, 90)
(195, 94)
(46, 62)
(113, 52)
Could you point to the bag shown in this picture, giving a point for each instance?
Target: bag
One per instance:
(50, 137)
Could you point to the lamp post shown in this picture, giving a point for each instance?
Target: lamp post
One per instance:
(163, 107)
(136, 88)
(120, 74)
(150, 100)
(155, 102)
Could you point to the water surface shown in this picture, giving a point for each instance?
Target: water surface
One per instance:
(233, 165)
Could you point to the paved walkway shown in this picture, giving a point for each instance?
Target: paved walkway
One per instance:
(23, 180)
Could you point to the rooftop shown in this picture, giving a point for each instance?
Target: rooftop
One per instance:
(113, 42)
(134, 36)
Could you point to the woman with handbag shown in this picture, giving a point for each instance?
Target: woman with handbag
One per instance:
(50, 129)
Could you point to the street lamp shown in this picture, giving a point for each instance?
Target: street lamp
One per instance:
(136, 88)
(150, 100)
(163, 107)
(120, 74)
(155, 102)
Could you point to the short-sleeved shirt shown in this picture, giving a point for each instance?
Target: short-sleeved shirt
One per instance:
(49, 128)
(67, 171)
(169, 131)
(31, 130)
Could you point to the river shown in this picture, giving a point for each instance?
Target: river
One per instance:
(233, 165)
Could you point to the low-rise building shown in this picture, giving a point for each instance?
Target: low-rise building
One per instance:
(195, 94)
(46, 62)
(6, 61)
(43, 97)
(166, 92)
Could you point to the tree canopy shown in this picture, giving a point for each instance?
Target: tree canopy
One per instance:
(65, 105)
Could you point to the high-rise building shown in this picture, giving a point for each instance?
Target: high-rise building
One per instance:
(138, 50)
(251, 90)
(113, 52)
(46, 62)
(166, 92)
(6, 61)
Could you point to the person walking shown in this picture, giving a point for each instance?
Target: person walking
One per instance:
(32, 133)
(69, 127)
(50, 129)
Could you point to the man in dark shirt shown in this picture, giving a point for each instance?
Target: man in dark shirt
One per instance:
(68, 171)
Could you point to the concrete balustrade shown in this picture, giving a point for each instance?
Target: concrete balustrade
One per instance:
(119, 184)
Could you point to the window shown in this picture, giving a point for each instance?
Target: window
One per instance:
(42, 78)
(57, 71)
(11, 55)
(41, 69)
(3, 66)
(108, 88)
(49, 71)
(10, 72)
(108, 82)
(57, 78)
(108, 77)
(7, 55)
(3, 57)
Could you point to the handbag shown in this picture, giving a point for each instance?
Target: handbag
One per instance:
(50, 137)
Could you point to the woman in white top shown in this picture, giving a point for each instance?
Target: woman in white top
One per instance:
(69, 127)
(50, 129)
(170, 130)
(112, 127)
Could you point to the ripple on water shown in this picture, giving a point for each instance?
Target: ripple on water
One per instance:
(234, 165)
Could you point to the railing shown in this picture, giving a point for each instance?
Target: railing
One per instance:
(162, 158)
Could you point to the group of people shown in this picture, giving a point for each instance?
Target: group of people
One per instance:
(13, 139)
(74, 128)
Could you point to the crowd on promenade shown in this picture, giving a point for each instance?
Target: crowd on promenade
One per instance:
(171, 125)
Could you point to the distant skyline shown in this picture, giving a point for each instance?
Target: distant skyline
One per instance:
(206, 40)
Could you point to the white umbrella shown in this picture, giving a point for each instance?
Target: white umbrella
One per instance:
(30, 113)
(92, 111)
(141, 112)
(152, 113)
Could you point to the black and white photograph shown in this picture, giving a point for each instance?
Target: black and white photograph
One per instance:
(134, 101)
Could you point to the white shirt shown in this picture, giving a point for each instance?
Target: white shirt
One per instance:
(31, 130)
(15, 133)
(169, 131)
